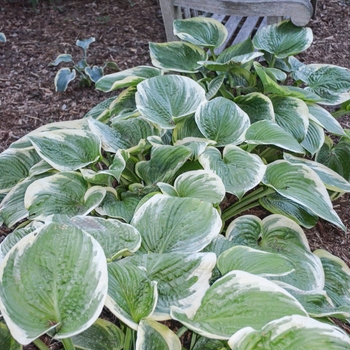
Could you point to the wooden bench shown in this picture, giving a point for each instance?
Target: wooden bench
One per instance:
(242, 18)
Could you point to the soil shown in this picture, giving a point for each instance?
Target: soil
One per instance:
(122, 29)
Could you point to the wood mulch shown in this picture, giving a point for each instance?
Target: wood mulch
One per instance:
(123, 29)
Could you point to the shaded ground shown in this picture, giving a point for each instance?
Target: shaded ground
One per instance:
(122, 29)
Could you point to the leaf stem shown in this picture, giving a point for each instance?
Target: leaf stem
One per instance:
(181, 331)
(248, 202)
(40, 344)
(272, 62)
(68, 344)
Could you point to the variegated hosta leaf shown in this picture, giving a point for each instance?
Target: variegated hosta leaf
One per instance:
(141, 130)
(170, 224)
(257, 262)
(187, 128)
(332, 180)
(156, 336)
(68, 149)
(65, 193)
(15, 236)
(304, 95)
(116, 238)
(325, 119)
(132, 296)
(266, 132)
(125, 78)
(281, 236)
(201, 31)
(2, 37)
(111, 140)
(196, 144)
(12, 209)
(283, 39)
(292, 115)
(291, 332)
(336, 157)
(177, 56)
(239, 170)
(100, 109)
(337, 275)
(63, 272)
(102, 335)
(302, 185)
(40, 168)
(257, 106)
(222, 120)
(182, 278)
(164, 163)
(331, 83)
(96, 178)
(124, 105)
(94, 73)
(200, 184)
(177, 95)
(63, 77)
(6, 340)
(120, 208)
(277, 204)
(319, 304)
(238, 293)
(314, 138)
(15, 165)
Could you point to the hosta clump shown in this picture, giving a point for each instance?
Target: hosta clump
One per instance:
(131, 207)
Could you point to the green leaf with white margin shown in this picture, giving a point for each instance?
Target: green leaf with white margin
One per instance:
(84, 44)
(214, 86)
(126, 78)
(170, 224)
(115, 237)
(96, 178)
(65, 271)
(233, 295)
(331, 83)
(337, 275)
(332, 180)
(12, 209)
(266, 132)
(64, 57)
(325, 119)
(291, 332)
(257, 106)
(68, 149)
(314, 138)
(187, 128)
(201, 184)
(141, 130)
(94, 73)
(279, 235)
(182, 278)
(156, 336)
(302, 185)
(201, 31)
(120, 208)
(102, 335)
(164, 163)
(100, 109)
(197, 144)
(132, 296)
(277, 204)
(336, 157)
(318, 304)
(283, 39)
(15, 236)
(257, 262)
(222, 120)
(15, 165)
(65, 193)
(63, 77)
(6, 340)
(239, 170)
(178, 96)
(292, 115)
(111, 140)
(40, 168)
(177, 56)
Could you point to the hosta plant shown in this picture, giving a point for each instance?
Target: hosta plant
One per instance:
(88, 74)
(141, 206)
